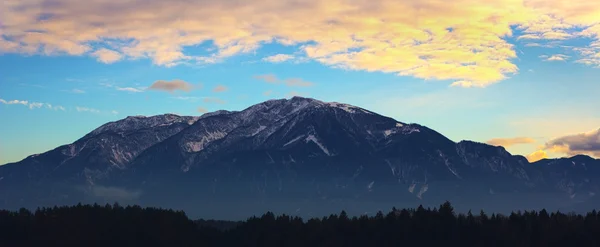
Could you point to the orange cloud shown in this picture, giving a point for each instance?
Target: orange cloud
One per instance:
(107, 56)
(464, 41)
(507, 142)
(202, 110)
(220, 89)
(537, 155)
(171, 86)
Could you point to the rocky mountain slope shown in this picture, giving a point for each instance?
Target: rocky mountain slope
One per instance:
(300, 155)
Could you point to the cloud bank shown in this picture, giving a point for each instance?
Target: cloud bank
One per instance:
(582, 143)
(507, 142)
(463, 41)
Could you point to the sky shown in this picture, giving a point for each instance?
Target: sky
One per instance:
(523, 74)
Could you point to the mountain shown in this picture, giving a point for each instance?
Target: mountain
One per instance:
(298, 155)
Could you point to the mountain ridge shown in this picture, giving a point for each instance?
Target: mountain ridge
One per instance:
(283, 150)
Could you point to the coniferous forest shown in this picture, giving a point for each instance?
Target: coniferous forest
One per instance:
(114, 225)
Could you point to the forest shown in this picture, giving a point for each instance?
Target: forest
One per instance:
(115, 225)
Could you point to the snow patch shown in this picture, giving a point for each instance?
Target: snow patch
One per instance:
(196, 146)
(399, 125)
(272, 161)
(261, 128)
(424, 189)
(393, 168)
(447, 163)
(370, 186)
(345, 107)
(407, 130)
(293, 140)
(316, 141)
(411, 188)
(388, 132)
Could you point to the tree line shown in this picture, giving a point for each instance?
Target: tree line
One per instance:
(115, 225)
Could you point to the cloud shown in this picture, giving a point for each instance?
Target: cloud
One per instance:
(171, 86)
(213, 100)
(202, 110)
(582, 143)
(268, 78)
(107, 56)
(14, 102)
(31, 105)
(125, 89)
(34, 105)
(73, 80)
(290, 82)
(75, 90)
(220, 89)
(131, 89)
(187, 98)
(463, 41)
(48, 106)
(86, 109)
(507, 142)
(297, 82)
(114, 112)
(279, 58)
(556, 57)
(537, 155)
(268, 93)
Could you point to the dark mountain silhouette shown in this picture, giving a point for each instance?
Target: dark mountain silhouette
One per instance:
(299, 156)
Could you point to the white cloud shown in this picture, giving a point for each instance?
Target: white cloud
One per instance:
(131, 89)
(14, 102)
(187, 98)
(555, 57)
(86, 109)
(279, 58)
(31, 105)
(34, 105)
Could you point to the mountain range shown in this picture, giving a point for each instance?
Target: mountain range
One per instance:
(298, 156)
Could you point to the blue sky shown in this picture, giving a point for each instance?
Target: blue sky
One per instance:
(535, 95)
